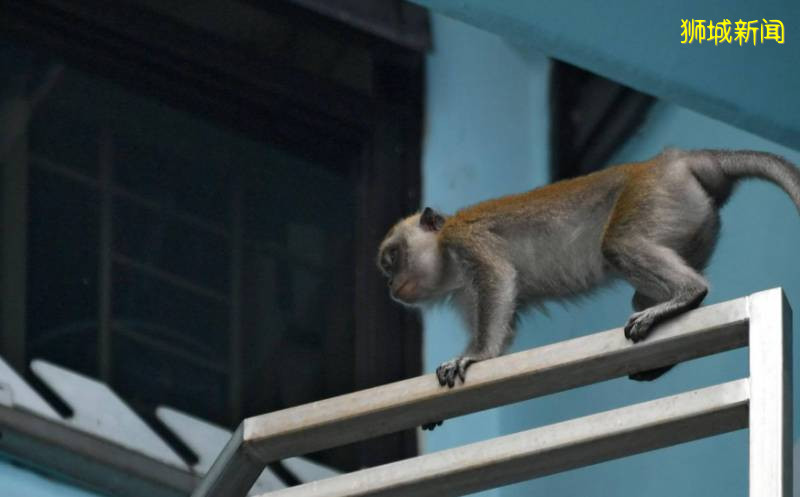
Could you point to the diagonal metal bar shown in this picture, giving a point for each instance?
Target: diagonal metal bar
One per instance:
(236, 475)
(546, 450)
(88, 459)
(536, 372)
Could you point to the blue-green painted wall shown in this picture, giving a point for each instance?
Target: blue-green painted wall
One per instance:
(20, 481)
(487, 135)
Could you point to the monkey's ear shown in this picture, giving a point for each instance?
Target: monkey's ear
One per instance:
(430, 220)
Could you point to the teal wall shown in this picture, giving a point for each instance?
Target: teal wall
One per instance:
(19, 481)
(487, 135)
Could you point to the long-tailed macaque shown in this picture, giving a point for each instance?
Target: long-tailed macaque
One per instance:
(652, 223)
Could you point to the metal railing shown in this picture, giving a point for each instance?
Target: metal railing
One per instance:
(761, 401)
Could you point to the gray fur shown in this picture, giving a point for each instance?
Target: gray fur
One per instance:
(654, 224)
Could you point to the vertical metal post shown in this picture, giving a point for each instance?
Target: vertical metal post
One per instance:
(104, 340)
(770, 395)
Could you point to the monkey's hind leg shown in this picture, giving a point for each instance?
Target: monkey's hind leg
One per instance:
(659, 272)
(641, 302)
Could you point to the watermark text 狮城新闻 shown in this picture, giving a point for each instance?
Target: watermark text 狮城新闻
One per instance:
(725, 31)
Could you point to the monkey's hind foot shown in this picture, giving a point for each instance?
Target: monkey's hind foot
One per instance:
(432, 425)
(639, 324)
(448, 371)
(650, 374)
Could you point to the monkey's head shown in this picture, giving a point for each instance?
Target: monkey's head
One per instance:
(410, 258)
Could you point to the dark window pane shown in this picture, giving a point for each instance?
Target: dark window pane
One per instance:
(63, 137)
(62, 270)
(155, 308)
(170, 244)
(199, 186)
(152, 376)
(286, 189)
(297, 286)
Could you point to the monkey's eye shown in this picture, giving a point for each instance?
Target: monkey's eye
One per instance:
(389, 259)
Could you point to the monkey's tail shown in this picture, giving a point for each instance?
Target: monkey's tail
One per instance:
(718, 171)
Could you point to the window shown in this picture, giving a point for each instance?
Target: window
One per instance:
(202, 235)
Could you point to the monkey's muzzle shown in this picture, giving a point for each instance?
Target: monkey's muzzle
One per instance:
(404, 291)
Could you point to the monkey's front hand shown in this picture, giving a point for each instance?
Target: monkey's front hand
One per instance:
(449, 370)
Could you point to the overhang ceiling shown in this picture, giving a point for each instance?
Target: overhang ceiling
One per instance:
(638, 43)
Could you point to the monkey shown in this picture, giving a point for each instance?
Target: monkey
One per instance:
(653, 223)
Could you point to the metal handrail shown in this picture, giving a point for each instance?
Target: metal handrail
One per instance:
(762, 402)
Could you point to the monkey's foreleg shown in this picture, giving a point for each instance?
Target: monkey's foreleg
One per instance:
(490, 311)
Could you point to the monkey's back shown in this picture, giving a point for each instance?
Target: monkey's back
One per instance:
(563, 198)
(540, 229)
